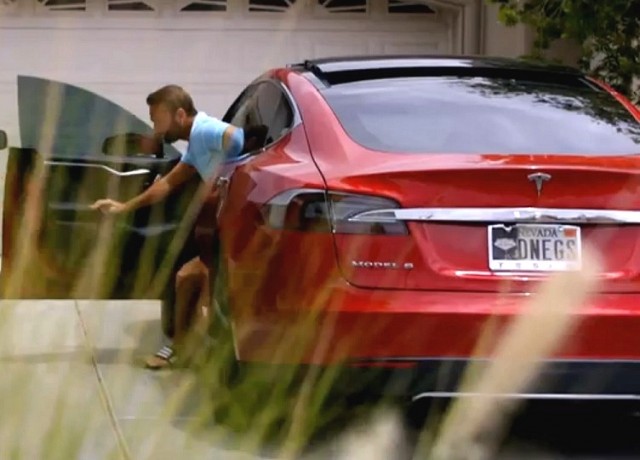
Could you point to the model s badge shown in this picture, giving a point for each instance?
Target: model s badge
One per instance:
(387, 265)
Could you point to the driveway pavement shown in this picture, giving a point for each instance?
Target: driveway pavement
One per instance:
(72, 386)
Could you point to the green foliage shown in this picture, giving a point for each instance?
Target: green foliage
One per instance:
(607, 30)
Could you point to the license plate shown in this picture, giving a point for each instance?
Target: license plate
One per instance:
(534, 247)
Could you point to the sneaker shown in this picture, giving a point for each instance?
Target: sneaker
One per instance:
(163, 358)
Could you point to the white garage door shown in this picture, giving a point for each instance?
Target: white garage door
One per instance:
(124, 49)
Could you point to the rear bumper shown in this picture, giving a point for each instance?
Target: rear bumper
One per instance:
(558, 379)
(411, 380)
(418, 342)
(384, 325)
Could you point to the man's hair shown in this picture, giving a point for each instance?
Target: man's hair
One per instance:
(174, 97)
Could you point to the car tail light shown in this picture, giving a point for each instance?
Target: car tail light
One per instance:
(322, 211)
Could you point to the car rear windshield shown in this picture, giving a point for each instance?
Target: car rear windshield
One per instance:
(483, 115)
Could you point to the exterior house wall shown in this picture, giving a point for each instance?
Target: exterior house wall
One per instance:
(500, 40)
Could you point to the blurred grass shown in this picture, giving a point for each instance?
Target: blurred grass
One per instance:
(60, 412)
(51, 411)
(283, 413)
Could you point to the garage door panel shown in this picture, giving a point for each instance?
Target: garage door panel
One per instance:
(336, 47)
(414, 47)
(8, 115)
(89, 56)
(210, 97)
(213, 55)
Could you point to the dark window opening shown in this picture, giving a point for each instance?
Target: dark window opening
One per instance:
(264, 110)
(118, 5)
(344, 6)
(270, 6)
(408, 7)
(64, 5)
(206, 5)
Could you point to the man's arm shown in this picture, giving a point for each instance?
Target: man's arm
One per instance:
(159, 190)
(162, 187)
(232, 141)
(221, 137)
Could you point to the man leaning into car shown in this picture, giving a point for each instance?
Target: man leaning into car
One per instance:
(210, 141)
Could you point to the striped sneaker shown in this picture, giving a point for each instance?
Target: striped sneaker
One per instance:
(164, 357)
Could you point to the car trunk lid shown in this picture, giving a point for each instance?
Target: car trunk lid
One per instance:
(491, 227)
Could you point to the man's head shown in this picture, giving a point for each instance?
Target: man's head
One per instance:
(171, 110)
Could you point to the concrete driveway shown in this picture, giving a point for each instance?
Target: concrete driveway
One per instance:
(72, 386)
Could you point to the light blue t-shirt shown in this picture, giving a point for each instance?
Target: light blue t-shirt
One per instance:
(205, 151)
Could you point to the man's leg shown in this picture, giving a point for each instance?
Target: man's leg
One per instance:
(194, 315)
(189, 283)
(187, 289)
(200, 314)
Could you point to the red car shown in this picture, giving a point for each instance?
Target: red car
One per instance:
(400, 203)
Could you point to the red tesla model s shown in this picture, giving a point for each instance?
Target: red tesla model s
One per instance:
(397, 204)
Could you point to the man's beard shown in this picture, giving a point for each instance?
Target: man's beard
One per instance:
(170, 138)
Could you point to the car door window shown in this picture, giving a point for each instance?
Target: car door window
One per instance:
(273, 111)
(236, 112)
(76, 123)
(267, 111)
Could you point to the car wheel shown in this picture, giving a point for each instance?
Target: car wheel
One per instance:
(246, 397)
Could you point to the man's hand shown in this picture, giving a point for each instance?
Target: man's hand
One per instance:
(157, 192)
(108, 206)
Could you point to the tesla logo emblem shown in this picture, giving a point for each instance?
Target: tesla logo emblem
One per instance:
(539, 179)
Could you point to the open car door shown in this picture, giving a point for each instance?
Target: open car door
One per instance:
(77, 147)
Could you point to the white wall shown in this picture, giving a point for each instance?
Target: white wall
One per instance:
(516, 41)
(500, 40)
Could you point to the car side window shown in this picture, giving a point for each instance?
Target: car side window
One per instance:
(235, 113)
(266, 116)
